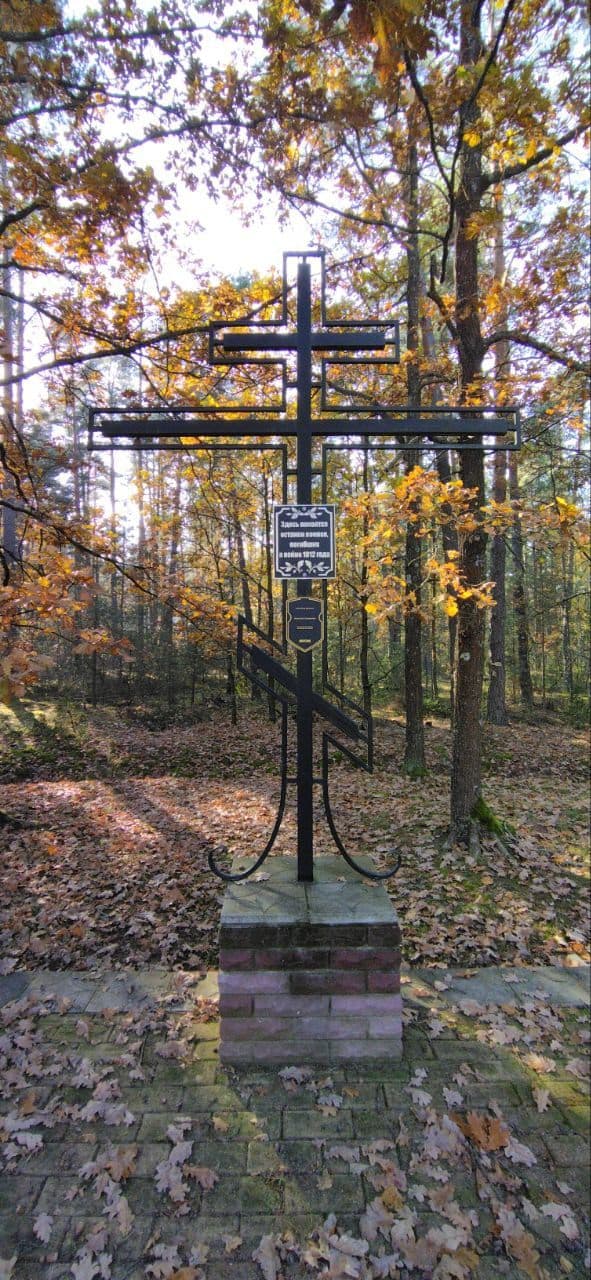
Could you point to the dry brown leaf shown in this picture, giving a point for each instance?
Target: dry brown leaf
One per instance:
(488, 1132)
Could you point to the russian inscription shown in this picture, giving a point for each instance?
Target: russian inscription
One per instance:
(304, 541)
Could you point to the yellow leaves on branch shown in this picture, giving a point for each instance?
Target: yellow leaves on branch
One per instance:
(47, 602)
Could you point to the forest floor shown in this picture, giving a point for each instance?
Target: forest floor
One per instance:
(128, 1152)
(108, 819)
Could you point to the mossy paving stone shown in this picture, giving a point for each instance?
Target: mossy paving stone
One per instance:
(153, 1126)
(21, 1192)
(526, 1120)
(260, 1194)
(27, 1270)
(59, 1158)
(123, 1248)
(214, 1098)
(61, 1029)
(569, 1151)
(204, 1049)
(195, 1229)
(561, 1091)
(354, 1094)
(390, 1070)
(486, 1063)
(577, 1118)
(345, 1195)
(146, 1098)
(292, 1156)
(222, 1157)
(369, 1125)
(66, 1197)
(313, 1124)
(16, 1236)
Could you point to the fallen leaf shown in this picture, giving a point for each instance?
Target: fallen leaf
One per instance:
(42, 1227)
(519, 1153)
(267, 1257)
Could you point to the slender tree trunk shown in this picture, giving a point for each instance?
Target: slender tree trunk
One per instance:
(467, 741)
(568, 565)
(448, 532)
(519, 594)
(9, 361)
(167, 629)
(414, 744)
(496, 704)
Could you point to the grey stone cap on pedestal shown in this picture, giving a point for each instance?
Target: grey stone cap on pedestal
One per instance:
(337, 899)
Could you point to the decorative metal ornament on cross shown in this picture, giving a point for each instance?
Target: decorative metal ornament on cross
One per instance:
(304, 533)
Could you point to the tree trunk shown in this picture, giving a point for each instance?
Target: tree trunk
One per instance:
(467, 741)
(519, 595)
(448, 533)
(496, 704)
(414, 743)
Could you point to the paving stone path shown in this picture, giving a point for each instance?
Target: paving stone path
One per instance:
(129, 1152)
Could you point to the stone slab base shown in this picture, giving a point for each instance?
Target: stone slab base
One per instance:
(309, 972)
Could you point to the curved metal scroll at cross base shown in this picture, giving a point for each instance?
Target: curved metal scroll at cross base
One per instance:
(267, 673)
(370, 875)
(243, 875)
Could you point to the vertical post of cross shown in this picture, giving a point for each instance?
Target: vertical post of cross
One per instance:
(305, 719)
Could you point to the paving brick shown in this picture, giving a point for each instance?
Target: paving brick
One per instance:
(53, 1197)
(385, 1026)
(344, 1029)
(16, 1236)
(154, 1124)
(292, 933)
(236, 958)
(60, 1157)
(577, 1117)
(292, 958)
(345, 1194)
(262, 1027)
(312, 1124)
(291, 1005)
(249, 1195)
(327, 981)
(365, 958)
(569, 1151)
(231, 1005)
(383, 981)
(280, 1052)
(197, 1098)
(360, 1050)
(270, 980)
(383, 935)
(300, 1155)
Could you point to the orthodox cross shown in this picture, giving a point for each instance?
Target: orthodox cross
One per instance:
(346, 425)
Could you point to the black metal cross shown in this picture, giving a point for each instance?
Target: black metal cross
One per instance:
(335, 342)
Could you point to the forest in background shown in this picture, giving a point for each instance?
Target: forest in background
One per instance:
(438, 153)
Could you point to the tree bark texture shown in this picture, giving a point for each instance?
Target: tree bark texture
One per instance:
(467, 738)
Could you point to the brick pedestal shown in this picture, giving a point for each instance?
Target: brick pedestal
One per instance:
(309, 972)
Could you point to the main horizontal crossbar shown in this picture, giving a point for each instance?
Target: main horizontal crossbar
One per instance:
(323, 340)
(382, 426)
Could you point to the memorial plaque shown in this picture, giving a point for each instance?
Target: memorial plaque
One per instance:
(305, 622)
(304, 542)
